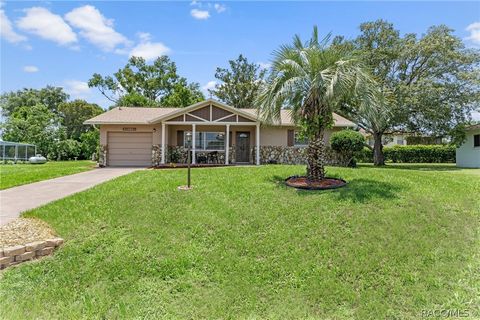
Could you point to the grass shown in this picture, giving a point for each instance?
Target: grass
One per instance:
(394, 242)
(12, 175)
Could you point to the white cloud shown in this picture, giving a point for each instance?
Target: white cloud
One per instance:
(147, 49)
(476, 115)
(200, 14)
(144, 36)
(219, 7)
(47, 25)
(30, 69)
(474, 30)
(194, 3)
(6, 29)
(209, 85)
(264, 65)
(77, 89)
(96, 28)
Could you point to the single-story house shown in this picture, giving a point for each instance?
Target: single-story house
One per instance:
(403, 138)
(217, 133)
(389, 139)
(468, 154)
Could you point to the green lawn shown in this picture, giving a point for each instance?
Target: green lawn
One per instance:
(12, 175)
(394, 242)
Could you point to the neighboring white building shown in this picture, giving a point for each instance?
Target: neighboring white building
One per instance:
(399, 138)
(389, 139)
(468, 154)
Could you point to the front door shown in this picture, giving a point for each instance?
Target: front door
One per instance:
(242, 149)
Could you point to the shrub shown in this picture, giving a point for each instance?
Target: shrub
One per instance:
(90, 144)
(420, 153)
(412, 154)
(66, 150)
(365, 155)
(347, 143)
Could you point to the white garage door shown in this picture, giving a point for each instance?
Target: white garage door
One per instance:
(129, 149)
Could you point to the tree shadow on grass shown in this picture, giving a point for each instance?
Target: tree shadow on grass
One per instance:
(363, 190)
(415, 166)
(357, 190)
(279, 181)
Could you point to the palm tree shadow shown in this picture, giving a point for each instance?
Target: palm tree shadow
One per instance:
(279, 181)
(417, 167)
(357, 190)
(363, 190)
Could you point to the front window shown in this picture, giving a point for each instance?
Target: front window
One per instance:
(476, 140)
(400, 141)
(214, 141)
(206, 140)
(198, 139)
(299, 140)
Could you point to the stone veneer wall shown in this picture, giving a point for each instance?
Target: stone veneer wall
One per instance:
(231, 154)
(178, 152)
(11, 256)
(156, 155)
(268, 154)
(102, 156)
(289, 155)
(181, 154)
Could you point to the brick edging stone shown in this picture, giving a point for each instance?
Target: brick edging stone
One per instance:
(10, 256)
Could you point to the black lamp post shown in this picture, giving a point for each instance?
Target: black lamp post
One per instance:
(189, 160)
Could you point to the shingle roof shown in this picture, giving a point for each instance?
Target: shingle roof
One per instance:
(286, 119)
(140, 115)
(473, 127)
(133, 115)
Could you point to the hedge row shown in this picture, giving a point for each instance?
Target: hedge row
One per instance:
(413, 154)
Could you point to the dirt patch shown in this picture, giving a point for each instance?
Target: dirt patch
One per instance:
(22, 231)
(304, 183)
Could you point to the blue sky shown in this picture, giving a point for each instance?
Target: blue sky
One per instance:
(64, 43)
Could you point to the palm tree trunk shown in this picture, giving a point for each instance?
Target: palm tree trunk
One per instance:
(378, 157)
(316, 157)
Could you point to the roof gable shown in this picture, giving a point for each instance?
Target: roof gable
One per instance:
(207, 111)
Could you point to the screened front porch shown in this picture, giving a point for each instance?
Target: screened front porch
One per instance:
(215, 133)
(211, 144)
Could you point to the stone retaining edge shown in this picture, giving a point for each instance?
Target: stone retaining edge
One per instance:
(10, 256)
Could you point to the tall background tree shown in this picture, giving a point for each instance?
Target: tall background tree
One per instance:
(74, 113)
(183, 94)
(35, 124)
(140, 84)
(50, 96)
(46, 118)
(311, 79)
(240, 84)
(428, 84)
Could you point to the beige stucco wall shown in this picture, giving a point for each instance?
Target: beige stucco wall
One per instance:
(157, 133)
(274, 136)
(269, 136)
(467, 155)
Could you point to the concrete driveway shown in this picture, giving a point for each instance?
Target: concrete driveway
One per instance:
(16, 200)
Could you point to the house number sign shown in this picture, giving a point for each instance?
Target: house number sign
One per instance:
(129, 129)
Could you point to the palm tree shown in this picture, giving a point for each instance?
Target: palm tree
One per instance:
(375, 118)
(312, 79)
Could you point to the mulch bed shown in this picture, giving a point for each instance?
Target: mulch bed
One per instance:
(324, 184)
(24, 230)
